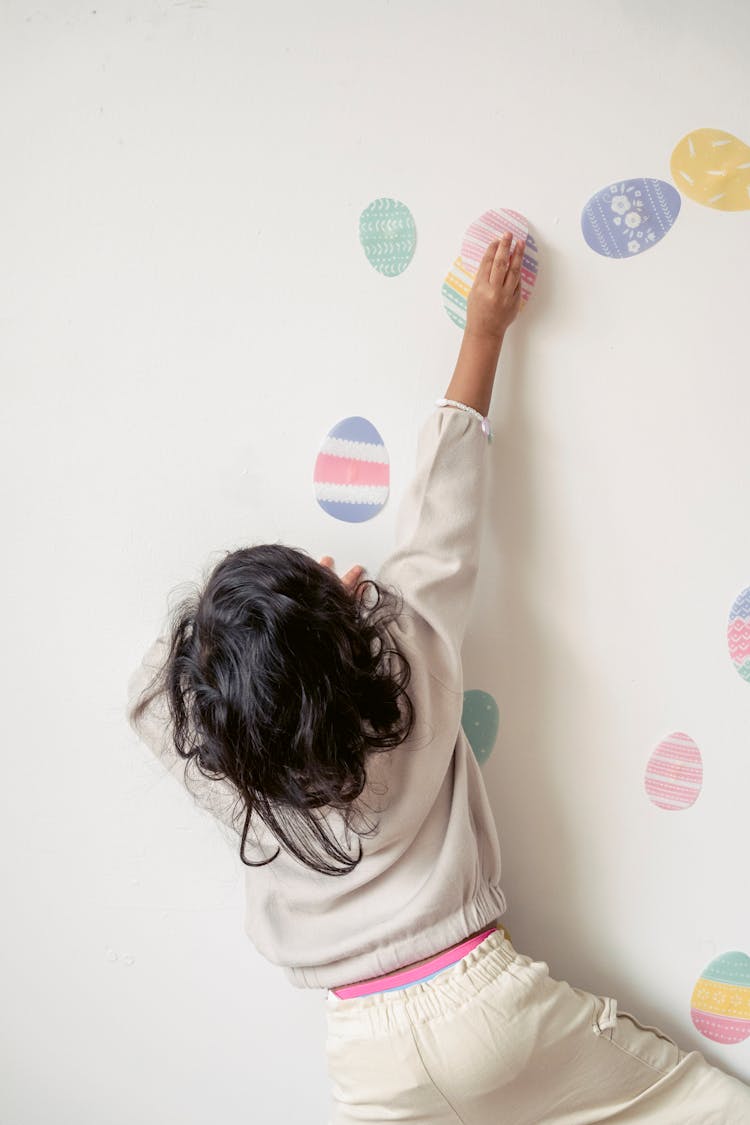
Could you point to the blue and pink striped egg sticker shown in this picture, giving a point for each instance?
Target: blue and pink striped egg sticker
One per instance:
(351, 477)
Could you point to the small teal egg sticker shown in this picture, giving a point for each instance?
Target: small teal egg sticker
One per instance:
(480, 719)
(628, 217)
(388, 236)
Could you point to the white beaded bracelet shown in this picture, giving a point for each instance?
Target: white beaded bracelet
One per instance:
(486, 426)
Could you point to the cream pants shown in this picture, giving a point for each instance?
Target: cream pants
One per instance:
(494, 1040)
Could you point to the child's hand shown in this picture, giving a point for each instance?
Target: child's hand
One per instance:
(352, 576)
(495, 296)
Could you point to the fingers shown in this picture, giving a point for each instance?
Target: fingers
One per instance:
(500, 259)
(485, 266)
(352, 576)
(513, 277)
(499, 265)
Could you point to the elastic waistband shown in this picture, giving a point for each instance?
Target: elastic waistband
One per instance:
(402, 978)
(396, 1009)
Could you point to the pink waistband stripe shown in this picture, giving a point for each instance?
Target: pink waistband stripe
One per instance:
(410, 976)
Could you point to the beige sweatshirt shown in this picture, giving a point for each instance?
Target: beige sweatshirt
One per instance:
(430, 875)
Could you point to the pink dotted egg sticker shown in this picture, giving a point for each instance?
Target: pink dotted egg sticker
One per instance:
(720, 1004)
(674, 774)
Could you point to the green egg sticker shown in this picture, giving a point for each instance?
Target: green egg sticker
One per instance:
(388, 236)
(480, 719)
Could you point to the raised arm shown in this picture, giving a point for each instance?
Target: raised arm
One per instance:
(436, 560)
(494, 301)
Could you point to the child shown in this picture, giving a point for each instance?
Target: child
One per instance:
(287, 694)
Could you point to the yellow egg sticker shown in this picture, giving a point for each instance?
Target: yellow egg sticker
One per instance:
(713, 168)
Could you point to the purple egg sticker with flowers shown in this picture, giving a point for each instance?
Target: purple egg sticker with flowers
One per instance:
(626, 218)
(351, 477)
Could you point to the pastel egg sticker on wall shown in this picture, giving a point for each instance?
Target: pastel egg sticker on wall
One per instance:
(388, 236)
(713, 168)
(720, 1004)
(455, 291)
(480, 719)
(352, 471)
(738, 634)
(461, 275)
(491, 225)
(674, 774)
(622, 220)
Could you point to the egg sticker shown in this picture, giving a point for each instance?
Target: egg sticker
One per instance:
(720, 1004)
(738, 634)
(674, 774)
(480, 720)
(622, 220)
(491, 225)
(455, 291)
(352, 471)
(713, 168)
(388, 236)
(461, 275)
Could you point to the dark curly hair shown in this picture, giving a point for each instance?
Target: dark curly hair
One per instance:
(279, 679)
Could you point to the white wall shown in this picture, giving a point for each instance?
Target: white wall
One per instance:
(182, 298)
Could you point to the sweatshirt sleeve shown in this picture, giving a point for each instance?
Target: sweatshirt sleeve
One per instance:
(438, 531)
(154, 728)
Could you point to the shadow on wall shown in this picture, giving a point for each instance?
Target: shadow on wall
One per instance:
(528, 665)
(532, 674)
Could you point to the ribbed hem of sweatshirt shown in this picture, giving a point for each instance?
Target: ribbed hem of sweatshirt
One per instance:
(488, 905)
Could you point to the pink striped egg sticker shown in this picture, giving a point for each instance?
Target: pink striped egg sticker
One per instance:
(674, 774)
(493, 224)
(738, 634)
(351, 477)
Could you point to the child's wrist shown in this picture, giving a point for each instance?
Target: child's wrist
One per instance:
(484, 339)
(482, 418)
